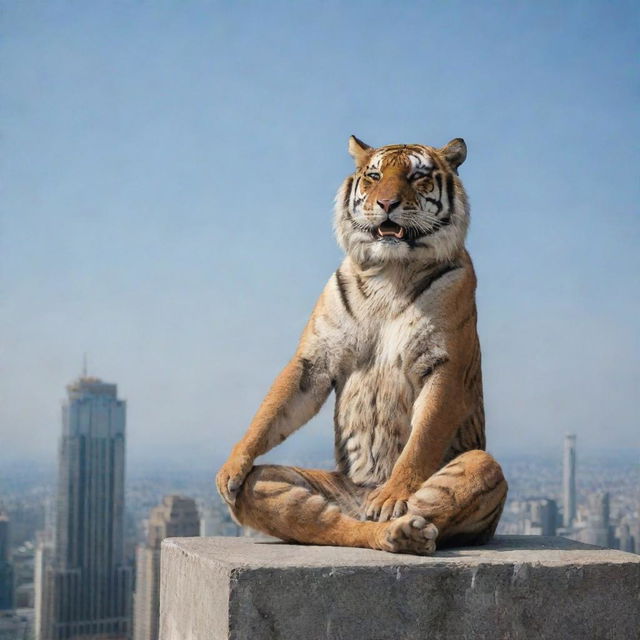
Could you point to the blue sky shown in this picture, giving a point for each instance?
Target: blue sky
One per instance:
(168, 171)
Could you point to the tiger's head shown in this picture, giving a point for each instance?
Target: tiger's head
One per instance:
(403, 203)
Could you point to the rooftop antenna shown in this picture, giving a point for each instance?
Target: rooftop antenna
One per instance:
(84, 365)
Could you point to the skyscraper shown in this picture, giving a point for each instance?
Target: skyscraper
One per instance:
(544, 516)
(569, 480)
(598, 530)
(625, 538)
(41, 562)
(176, 516)
(87, 585)
(6, 570)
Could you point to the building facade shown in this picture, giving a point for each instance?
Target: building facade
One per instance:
(569, 481)
(540, 517)
(86, 585)
(6, 569)
(176, 516)
(598, 527)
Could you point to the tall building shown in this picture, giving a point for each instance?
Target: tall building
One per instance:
(625, 541)
(598, 529)
(6, 569)
(41, 562)
(86, 584)
(15, 625)
(569, 480)
(176, 516)
(544, 517)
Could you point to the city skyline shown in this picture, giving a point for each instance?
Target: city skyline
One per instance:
(590, 520)
(605, 492)
(167, 207)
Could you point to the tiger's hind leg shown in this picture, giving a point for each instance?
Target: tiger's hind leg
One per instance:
(304, 505)
(316, 507)
(464, 499)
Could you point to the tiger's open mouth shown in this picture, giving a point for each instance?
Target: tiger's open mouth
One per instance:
(389, 229)
(392, 233)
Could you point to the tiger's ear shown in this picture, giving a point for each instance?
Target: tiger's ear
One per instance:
(359, 151)
(455, 153)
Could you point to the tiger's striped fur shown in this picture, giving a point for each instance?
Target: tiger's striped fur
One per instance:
(394, 335)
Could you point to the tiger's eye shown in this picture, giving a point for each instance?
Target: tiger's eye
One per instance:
(374, 175)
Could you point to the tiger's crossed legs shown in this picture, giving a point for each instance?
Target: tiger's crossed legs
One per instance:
(459, 504)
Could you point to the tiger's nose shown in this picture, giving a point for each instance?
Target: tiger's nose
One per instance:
(389, 204)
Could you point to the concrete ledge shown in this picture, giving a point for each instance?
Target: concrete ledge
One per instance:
(518, 587)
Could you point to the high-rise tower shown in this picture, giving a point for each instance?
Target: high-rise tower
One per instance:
(569, 480)
(87, 584)
(598, 530)
(6, 570)
(176, 516)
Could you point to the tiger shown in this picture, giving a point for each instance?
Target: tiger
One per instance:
(394, 335)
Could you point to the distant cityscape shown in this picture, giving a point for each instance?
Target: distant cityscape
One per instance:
(594, 502)
(80, 556)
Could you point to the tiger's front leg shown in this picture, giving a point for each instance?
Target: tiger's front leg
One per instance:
(296, 396)
(437, 412)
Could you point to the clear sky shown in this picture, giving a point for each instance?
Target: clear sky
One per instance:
(168, 170)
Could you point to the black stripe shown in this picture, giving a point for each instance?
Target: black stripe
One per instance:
(343, 462)
(471, 379)
(415, 348)
(495, 512)
(269, 491)
(436, 203)
(473, 367)
(367, 358)
(312, 484)
(306, 374)
(432, 367)
(425, 283)
(361, 286)
(465, 320)
(419, 162)
(487, 490)
(450, 192)
(448, 490)
(487, 529)
(342, 288)
(448, 473)
(347, 194)
(439, 181)
(474, 500)
(464, 513)
(356, 200)
(355, 187)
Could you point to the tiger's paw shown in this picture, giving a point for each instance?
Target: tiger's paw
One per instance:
(410, 534)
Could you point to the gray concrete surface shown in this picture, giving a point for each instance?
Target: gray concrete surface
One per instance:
(518, 587)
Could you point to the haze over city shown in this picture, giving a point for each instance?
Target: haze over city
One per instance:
(167, 199)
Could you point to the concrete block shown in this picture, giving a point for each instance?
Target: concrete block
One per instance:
(518, 587)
